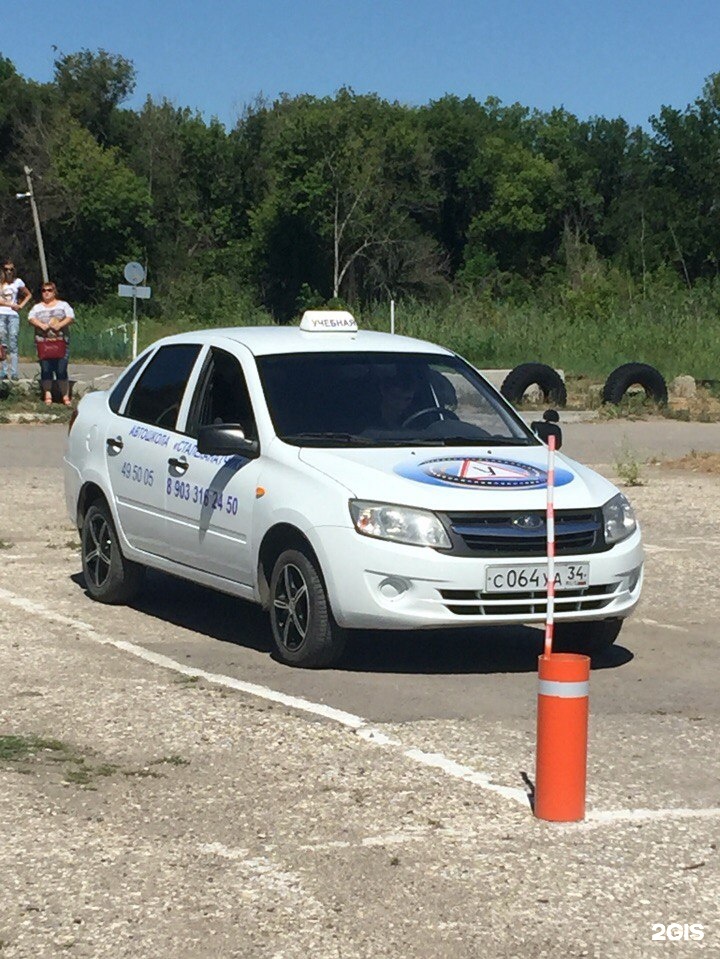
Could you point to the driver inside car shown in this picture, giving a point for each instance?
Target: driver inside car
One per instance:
(398, 393)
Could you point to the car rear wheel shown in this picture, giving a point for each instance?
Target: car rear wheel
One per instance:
(303, 629)
(109, 577)
(586, 638)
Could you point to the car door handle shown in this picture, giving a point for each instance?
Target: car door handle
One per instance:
(113, 445)
(179, 466)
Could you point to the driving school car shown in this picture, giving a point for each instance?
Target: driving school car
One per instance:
(342, 478)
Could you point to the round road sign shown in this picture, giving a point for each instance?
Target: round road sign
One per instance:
(134, 273)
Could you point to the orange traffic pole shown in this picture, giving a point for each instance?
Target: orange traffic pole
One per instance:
(562, 734)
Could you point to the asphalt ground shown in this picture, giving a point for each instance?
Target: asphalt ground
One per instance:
(209, 801)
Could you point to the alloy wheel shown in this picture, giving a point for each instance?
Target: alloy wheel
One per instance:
(98, 559)
(291, 604)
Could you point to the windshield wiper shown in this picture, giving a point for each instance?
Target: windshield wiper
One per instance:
(327, 437)
(483, 441)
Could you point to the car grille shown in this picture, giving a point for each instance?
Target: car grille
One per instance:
(524, 533)
(464, 602)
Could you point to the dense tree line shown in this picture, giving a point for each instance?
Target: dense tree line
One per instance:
(348, 197)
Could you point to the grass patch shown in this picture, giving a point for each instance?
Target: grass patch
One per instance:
(628, 467)
(633, 406)
(14, 748)
(72, 544)
(171, 761)
(26, 752)
(79, 776)
(186, 680)
(16, 402)
(5, 545)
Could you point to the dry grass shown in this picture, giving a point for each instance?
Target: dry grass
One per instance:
(704, 407)
(696, 462)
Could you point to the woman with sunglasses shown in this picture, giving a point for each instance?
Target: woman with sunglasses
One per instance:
(51, 320)
(13, 297)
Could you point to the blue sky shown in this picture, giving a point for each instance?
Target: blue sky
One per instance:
(606, 57)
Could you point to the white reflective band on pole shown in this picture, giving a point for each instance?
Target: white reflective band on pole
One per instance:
(549, 687)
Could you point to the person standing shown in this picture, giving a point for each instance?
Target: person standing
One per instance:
(51, 319)
(13, 297)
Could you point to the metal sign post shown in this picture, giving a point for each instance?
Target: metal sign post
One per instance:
(134, 274)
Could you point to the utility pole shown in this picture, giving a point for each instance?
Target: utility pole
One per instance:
(36, 219)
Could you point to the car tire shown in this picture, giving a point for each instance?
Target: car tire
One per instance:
(588, 638)
(303, 628)
(635, 374)
(109, 577)
(534, 374)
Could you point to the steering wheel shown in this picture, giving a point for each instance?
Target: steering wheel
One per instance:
(441, 412)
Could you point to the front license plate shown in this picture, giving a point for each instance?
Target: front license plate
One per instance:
(528, 579)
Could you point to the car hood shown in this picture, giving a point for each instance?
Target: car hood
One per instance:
(461, 478)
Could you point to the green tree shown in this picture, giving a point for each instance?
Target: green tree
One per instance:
(345, 182)
(92, 85)
(95, 209)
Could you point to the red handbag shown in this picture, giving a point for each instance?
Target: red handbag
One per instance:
(51, 349)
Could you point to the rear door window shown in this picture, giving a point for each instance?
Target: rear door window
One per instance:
(123, 384)
(157, 395)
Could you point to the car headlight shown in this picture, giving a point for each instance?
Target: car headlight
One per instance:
(401, 524)
(619, 519)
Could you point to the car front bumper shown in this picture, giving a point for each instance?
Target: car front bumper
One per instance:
(378, 584)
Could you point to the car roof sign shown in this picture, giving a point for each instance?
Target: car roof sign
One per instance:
(328, 321)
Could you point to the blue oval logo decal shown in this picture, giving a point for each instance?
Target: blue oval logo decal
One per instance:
(480, 472)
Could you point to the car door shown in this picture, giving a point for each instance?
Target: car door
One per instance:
(209, 505)
(137, 440)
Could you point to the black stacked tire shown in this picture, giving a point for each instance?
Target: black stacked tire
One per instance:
(526, 375)
(635, 374)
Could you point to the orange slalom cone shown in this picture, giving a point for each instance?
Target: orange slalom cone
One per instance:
(562, 734)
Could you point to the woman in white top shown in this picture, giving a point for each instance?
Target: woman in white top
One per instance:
(51, 320)
(13, 297)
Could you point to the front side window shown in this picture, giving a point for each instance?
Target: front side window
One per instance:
(385, 399)
(158, 393)
(222, 396)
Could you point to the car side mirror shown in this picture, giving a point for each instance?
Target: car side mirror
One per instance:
(226, 439)
(548, 426)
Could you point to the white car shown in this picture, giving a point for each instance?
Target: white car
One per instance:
(342, 479)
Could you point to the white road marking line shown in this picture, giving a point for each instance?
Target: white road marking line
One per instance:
(600, 816)
(357, 724)
(416, 834)
(654, 622)
(466, 773)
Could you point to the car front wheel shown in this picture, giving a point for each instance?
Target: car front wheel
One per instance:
(303, 629)
(109, 577)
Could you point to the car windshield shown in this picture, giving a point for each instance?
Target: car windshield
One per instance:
(385, 399)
